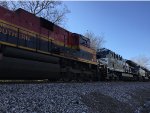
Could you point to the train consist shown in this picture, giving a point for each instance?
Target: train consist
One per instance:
(32, 47)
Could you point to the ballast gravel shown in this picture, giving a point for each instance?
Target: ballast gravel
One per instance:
(99, 97)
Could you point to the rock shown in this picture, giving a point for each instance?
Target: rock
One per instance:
(74, 97)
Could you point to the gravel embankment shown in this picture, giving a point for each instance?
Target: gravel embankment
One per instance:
(101, 97)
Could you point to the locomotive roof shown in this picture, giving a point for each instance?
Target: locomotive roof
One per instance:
(130, 62)
(107, 50)
(81, 36)
(19, 10)
(104, 49)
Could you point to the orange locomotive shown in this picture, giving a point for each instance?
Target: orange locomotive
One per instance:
(33, 47)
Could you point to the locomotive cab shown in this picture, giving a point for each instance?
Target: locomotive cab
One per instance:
(82, 45)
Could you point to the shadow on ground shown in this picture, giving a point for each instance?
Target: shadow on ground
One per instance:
(99, 103)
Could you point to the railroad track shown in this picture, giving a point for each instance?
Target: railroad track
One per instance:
(23, 81)
(37, 81)
(47, 81)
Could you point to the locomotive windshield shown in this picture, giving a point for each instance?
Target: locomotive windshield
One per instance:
(102, 53)
(84, 41)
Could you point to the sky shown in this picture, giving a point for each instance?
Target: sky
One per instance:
(125, 25)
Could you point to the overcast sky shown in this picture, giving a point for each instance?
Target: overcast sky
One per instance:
(126, 25)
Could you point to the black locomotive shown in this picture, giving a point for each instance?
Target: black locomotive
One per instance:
(117, 68)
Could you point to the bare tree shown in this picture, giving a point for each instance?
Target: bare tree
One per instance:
(55, 11)
(96, 41)
(142, 60)
(4, 4)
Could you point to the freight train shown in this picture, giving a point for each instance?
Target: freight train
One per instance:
(32, 47)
